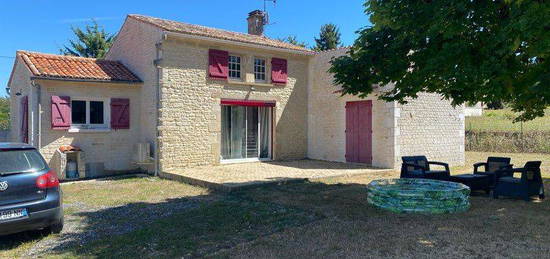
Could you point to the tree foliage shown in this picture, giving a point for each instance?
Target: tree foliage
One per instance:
(329, 38)
(4, 113)
(467, 51)
(294, 41)
(92, 42)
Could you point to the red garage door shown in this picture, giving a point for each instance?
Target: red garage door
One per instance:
(359, 132)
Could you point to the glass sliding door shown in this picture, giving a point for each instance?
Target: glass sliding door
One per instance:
(251, 132)
(265, 132)
(246, 132)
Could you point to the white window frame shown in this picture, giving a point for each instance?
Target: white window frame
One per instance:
(106, 114)
(240, 64)
(254, 66)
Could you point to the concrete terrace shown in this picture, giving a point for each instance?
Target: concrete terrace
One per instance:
(231, 177)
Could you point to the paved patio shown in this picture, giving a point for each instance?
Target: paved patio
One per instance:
(230, 177)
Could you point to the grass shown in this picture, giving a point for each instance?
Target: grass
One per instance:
(211, 227)
(329, 218)
(126, 191)
(495, 131)
(502, 121)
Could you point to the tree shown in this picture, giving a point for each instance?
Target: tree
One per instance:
(496, 105)
(4, 113)
(294, 41)
(329, 38)
(92, 42)
(467, 51)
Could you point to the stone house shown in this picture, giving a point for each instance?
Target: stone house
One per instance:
(172, 95)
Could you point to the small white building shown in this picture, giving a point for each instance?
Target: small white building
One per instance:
(473, 110)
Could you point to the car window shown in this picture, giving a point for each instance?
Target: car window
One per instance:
(20, 161)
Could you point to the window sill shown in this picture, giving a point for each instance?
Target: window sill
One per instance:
(231, 82)
(77, 130)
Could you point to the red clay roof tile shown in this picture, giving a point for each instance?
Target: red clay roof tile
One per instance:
(51, 66)
(192, 29)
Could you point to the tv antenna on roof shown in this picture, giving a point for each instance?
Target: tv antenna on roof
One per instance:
(266, 14)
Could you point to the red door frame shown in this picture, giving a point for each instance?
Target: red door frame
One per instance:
(359, 132)
(237, 102)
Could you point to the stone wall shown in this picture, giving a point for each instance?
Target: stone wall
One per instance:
(425, 126)
(135, 47)
(327, 118)
(114, 148)
(431, 126)
(190, 113)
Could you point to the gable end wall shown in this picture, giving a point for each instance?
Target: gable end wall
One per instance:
(20, 83)
(135, 47)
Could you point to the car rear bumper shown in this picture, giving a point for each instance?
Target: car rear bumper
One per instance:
(35, 220)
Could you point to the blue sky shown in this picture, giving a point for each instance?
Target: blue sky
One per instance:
(44, 25)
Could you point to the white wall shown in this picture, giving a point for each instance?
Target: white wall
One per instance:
(427, 125)
(20, 83)
(135, 47)
(327, 118)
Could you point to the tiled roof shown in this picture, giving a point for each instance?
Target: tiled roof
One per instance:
(51, 66)
(192, 29)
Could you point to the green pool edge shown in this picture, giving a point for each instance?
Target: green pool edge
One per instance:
(422, 196)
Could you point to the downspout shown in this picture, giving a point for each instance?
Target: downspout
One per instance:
(38, 113)
(157, 63)
(30, 117)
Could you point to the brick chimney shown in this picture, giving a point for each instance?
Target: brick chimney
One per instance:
(256, 22)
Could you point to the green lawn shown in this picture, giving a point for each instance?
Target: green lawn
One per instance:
(152, 218)
(502, 121)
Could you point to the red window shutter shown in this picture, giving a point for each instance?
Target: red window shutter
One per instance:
(279, 74)
(218, 64)
(120, 113)
(61, 112)
(25, 119)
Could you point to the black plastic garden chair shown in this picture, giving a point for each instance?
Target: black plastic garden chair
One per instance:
(528, 185)
(493, 165)
(419, 167)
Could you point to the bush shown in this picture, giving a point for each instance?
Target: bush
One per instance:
(4, 113)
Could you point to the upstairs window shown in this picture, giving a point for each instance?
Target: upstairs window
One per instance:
(88, 113)
(259, 69)
(234, 67)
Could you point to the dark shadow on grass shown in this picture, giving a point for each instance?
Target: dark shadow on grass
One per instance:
(319, 164)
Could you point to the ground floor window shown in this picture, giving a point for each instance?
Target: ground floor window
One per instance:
(246, 132)
(88, 113)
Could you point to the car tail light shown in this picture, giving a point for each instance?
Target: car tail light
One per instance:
(47, 180)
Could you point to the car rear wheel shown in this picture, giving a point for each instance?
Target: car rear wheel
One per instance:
(57, 227)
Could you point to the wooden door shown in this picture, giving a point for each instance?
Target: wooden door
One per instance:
(359, 132)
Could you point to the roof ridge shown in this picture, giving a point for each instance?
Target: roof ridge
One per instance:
(205, 27)
(201, 29)
(26, 52)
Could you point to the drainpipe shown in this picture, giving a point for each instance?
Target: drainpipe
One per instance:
(157, 63)
(38, 114)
